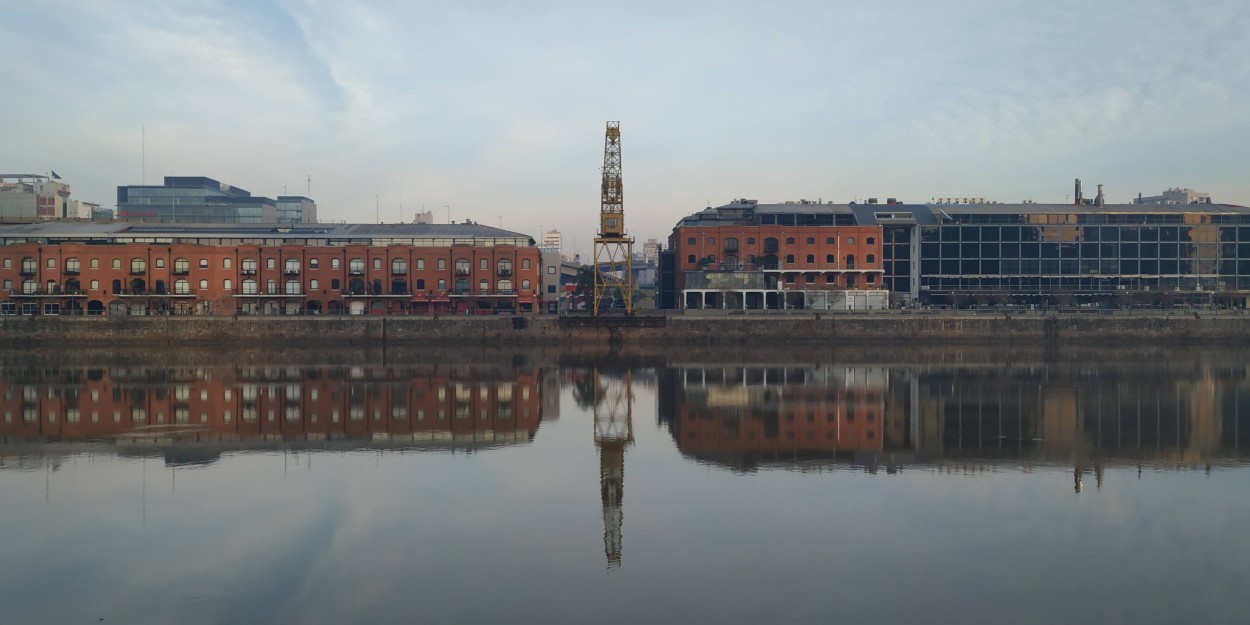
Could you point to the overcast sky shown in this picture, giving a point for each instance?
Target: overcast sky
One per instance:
(497, 109)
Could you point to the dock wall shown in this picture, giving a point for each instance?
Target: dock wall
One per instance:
(730, 330)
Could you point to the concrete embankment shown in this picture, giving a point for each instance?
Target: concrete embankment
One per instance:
(691, 330)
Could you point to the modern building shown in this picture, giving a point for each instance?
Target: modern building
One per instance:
(33, 197)
(142, 269)
(296, 209)
(551, 289)
(797, 255)
(196, 199)
(1061, 254)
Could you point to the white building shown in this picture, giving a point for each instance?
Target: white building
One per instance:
(1176, 196)
(34, 197)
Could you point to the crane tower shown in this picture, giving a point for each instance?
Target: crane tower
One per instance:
(614, 251)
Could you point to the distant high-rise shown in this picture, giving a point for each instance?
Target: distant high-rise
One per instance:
(196, 199)
(553, 239)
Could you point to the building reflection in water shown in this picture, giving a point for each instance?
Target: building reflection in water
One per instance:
(191, 414)
(957, 418)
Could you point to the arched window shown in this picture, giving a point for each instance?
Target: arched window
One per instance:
(870, 259)
(182, 287)
(399, 267)
(377, 263)
(8, 263)
(203, 284)
(850, 240)
(811, 259)
(30, 287)
(483, 286)
(51, 263)
(462, 285)
(356, 286)
(420, 263)
(505, 286)
(420, 284)
(356, 267)
(442, 285)
(138, 265)
(789, 240)
(850, 261)
(377, 287)
(789, 258)
(292, 287)
(399, 287)
(525, 263)
(442, 263)
(314, 284)
(463, 267)
(829, 259)
(290, 266)
(505, 267)
(811, 240)
(483, 264)
(525, 285)
(690, 259)
(225, 263)
(227, 284)
(160, 263)
(731, 244)
(248, 267)
(249, 287)
(334, 263)
(271, 286)
(271, 263)
(829, 241)
(182, 266)
(335, 284)
(770, 246)
(72, 265)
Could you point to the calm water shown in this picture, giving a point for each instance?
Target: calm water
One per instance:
(953, 486)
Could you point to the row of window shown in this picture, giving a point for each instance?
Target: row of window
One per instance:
(870, 259)
(1079, 234)
(732, 242)
(251, 287)
(1109, 251)
(290, 265)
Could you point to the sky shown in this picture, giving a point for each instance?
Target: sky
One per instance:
(495, 111)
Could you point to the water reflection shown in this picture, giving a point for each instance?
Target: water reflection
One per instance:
(190, 414)
(957, 417)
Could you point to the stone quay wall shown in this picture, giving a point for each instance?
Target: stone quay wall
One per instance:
(677, 330)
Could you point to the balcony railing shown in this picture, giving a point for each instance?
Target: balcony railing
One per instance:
(248, 271)
(28, 270)
(399, 271)
(291, 271)
(463, 272)
(356, 271)
(73, 271)
(138, 271)
(181, 271)
(505, 272)
(55, 291)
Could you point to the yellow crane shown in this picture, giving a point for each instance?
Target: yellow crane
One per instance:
(614, 250)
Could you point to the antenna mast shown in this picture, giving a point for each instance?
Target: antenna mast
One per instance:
(614, 251)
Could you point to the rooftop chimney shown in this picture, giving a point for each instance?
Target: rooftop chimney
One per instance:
(1098, 201)
(1077, 198)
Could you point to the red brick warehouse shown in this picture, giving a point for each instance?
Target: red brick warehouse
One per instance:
(115, 269)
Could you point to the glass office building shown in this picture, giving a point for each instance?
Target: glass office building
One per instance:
(193, 199)
(1067, 254)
